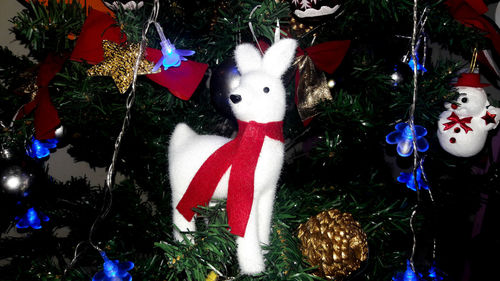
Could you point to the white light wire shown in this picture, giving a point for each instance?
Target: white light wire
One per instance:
(417, 161)
(108, 198)
(412, 127)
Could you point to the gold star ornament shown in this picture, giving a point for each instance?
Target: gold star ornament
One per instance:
(119, 61)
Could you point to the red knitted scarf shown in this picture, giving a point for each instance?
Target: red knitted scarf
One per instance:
(241, 154)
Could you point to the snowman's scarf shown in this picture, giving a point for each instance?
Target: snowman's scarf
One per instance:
(241, 154)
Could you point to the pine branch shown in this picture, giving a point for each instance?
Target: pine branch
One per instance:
(49, 28)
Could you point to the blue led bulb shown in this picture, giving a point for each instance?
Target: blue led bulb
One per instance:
(114, 270)
(172, 57)
(403, 137)
(40, 149)
(51, 143)
(409, 179)
(419, 66)
(433, 274)
(31, 219)
(110, 268)
(408, 275)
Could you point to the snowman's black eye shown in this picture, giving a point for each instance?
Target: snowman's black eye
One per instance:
(266, 90)
(464, 100)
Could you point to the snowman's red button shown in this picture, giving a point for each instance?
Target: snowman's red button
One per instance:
(453, 140)
(457, 130)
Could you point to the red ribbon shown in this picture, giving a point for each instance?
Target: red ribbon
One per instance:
(455, 120)
(241, 154)
(182, 81)
(46, 117)
(470, 13)
(326, 56)
(98, 26)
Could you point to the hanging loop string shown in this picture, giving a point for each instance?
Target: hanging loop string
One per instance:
(277, 31)
(251, 28)
(473, 61)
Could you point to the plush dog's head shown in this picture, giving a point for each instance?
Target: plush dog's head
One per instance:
(261, 95)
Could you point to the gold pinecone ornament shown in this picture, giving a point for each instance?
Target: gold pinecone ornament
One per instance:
(334, 242)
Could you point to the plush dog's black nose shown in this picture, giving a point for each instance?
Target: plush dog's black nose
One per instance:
(235, 98)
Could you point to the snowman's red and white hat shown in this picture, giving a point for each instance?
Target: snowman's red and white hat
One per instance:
(470, 80)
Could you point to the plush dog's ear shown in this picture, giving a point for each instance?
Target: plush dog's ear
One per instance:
(247, 58)
(279, 57)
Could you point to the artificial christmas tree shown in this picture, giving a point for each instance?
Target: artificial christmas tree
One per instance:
(336, 160)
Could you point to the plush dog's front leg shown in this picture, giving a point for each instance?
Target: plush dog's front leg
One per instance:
(265, 214)
(249, 252)
(181, 224)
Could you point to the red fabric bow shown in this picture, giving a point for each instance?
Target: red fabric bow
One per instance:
(46, 117)
(470, 13)
(241, 154)
(455, 120)
(182, 81)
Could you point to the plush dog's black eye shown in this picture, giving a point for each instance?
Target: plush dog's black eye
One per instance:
(464, 100)
(266, 90)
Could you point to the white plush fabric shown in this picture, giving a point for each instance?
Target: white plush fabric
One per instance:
(188, 150)
(472, 102)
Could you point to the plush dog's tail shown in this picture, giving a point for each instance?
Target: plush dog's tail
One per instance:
(181, 135)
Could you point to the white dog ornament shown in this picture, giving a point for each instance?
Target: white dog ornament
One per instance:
(246, 169)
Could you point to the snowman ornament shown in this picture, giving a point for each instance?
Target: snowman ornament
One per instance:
(463, 127)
